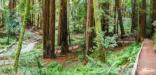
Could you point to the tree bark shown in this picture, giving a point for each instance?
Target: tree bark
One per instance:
(63, 28)
(49, 29)
(89, 27)
(134, 16)
(52, 29)
(46, 43)
(12, 4)
(142, 21)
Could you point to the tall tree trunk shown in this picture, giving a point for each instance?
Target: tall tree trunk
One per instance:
(143, 20)
(52, 29)
(49, 29)
(153, 15)
(46, 43)
(60, 29)
(134, 16)
(118, 5)
(21, 36)
(12, 4)
(63, 28)
(85, 60)
(89, 27)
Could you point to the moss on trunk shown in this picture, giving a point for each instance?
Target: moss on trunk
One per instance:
(21, 36)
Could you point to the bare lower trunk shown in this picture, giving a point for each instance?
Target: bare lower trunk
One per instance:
(63, 28)
(134, 16)
(52, 29)
(89, 27)
(142, 20)
(46, 43)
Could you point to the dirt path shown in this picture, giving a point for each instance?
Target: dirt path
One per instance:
(147, 59)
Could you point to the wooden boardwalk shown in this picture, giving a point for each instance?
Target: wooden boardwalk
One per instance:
(146, 63)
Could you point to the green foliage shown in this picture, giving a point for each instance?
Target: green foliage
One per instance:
(77, 16)
(78, 39)
(124, 58)
(29, 59)
(80, 69)
(3, 42)
(12, 22)
(6, 69)
(21, 35)
(107, 41)
(154, 24)
(53, 68)
(21, 7)
(115, 62)
(30, 62)
(154, 36)
(148, 26)
(110, 41)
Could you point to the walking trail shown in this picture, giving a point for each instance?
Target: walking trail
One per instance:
(146, 64)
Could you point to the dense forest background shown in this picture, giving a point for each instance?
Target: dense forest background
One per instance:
(73, 37)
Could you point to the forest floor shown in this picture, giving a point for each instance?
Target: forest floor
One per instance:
(71, 63)
(147, 60)
(31, 40)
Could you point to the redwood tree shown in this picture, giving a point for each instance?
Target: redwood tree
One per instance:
(63, 28)
(46, 44)
(134, 16)
(49, 29)
(52, 29)
(142, 21)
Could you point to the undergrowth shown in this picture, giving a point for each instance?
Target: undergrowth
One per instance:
(117, 62)
(3, 42)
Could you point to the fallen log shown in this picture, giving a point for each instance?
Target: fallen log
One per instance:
(124, 43)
